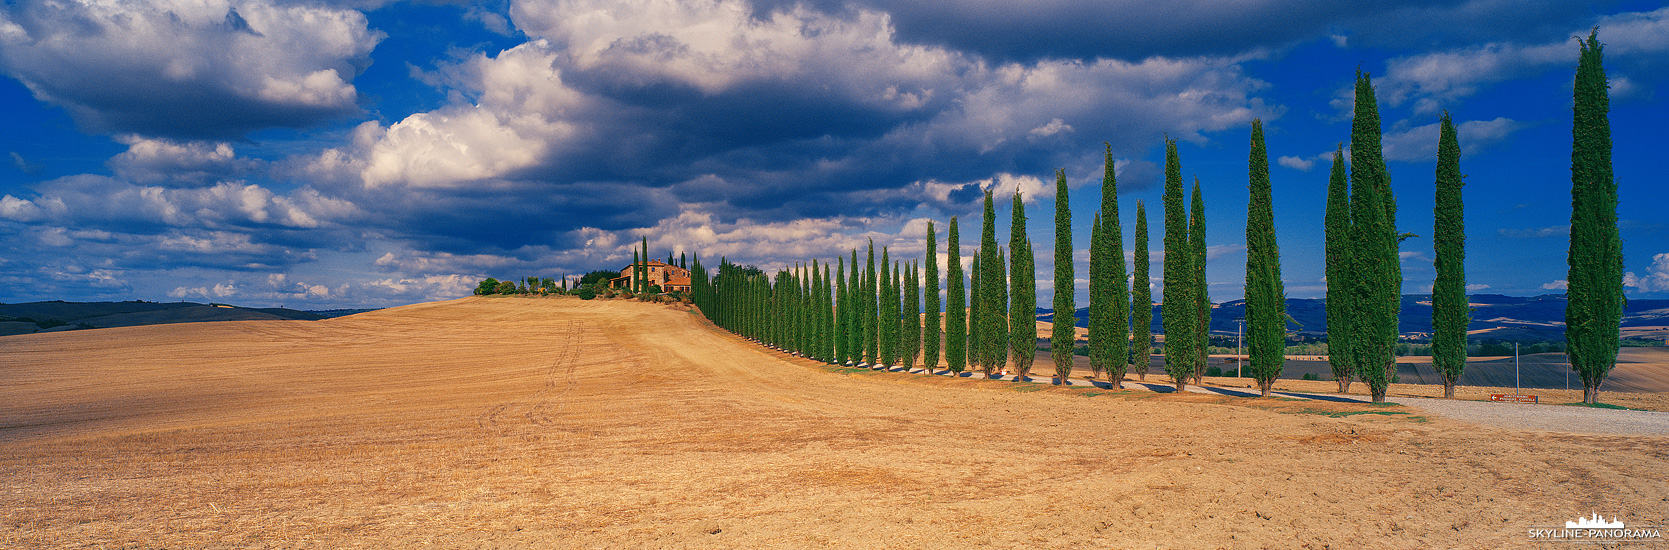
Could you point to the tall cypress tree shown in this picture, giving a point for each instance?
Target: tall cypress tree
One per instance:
(1376, 277)
(1063, 334)
(1265, 294)
(993, 293)
(855, 324)
(842, 306)
(1338, 252)
(870, 303)
(1141, 311)
(1022, 308)
(1449, 312)
(1594, 306)
(1098, 301)
(831, 325)
(886, 314)
(912, 327)
(637, 278)
(999, 312)
(930, 337)
(976, 302)
(643, 285)
(1178, 312)
(1202, 298)
(1117, 314)
(956, 312)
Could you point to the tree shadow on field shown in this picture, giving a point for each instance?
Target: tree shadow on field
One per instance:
(1317, 397)
(1157, 388)
(1226, 391)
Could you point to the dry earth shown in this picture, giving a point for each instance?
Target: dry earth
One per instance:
(514, 422)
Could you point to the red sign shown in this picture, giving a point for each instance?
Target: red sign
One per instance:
(1513, 398)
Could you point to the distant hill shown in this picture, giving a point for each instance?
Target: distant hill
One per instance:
(57, 315)
(1493, 316)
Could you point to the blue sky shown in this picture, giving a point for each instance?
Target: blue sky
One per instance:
(324, 154)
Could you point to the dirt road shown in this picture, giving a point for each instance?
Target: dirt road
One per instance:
(511, 422)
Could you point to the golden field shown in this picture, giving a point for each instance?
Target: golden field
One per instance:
(498, 422)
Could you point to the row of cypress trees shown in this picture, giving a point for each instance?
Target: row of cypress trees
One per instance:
(853, 317)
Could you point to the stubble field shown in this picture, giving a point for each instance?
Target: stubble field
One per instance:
(510, 422)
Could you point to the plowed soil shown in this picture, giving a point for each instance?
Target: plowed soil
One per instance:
(560, 423)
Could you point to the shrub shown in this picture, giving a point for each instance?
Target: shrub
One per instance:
(487, 286)
(586, 293)
(1311, 376)
(505, 287)
(1213, 371)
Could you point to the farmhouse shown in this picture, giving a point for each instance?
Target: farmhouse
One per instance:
(669, 277)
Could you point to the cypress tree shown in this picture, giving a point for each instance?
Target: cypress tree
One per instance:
(1141, 312)
(1178, 312)
(1202, 298)
(999, 313)
(1063, 335)
(1098, 301)
(1265, 294)
(976, 302)
(1117, 350)
(930, 336)
(911, 318)
(1449, 312)
(1022, 308)
(1594, 306)
(643, 275)
(843, 306)
(854, 322)
(870, 305)
(1338, 252)
(831, 328)
(886, 320)
(993, 293)
(1376, 277)
(637, 279)
(956, 312)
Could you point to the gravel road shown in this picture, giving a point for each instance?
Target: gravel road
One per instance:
(1551, 418)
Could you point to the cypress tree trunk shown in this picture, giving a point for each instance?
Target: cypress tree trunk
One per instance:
(1265, 294)
(956, 313)
(930, 337)
(1178, 312)
(1022, 307)
(1062, 333)
(1202, 299)
(1449, 312)
(1340, 303)
(1594, 309)
(1141, 312)
(1111, 272)
(1377, 279)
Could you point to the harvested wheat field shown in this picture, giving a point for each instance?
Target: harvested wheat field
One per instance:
(559, 423)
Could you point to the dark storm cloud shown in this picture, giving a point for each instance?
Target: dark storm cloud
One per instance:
(187, 70)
